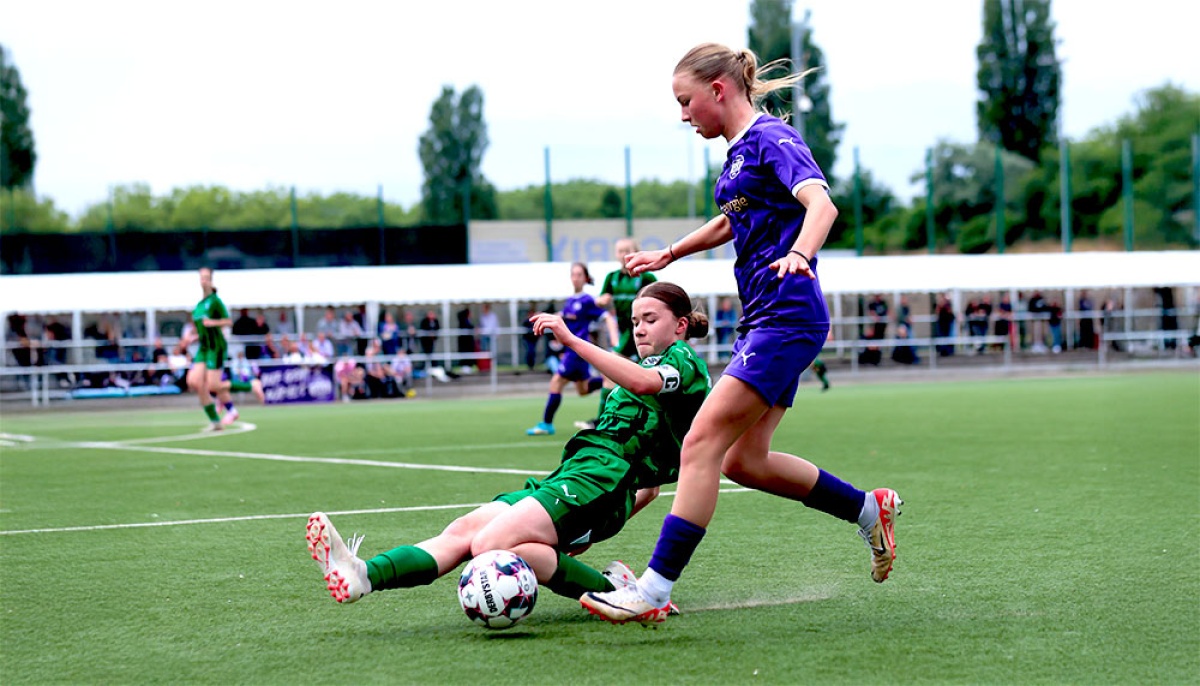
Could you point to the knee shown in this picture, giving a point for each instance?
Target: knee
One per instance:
(742, 466)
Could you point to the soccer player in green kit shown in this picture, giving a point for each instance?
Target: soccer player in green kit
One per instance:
(619, 290)
(607, 474)
(210, 316)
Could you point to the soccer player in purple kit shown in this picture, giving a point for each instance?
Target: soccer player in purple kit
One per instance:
(775, 207)
(579, 311)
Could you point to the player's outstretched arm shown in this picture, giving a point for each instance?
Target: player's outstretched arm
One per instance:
(629, 375)
(715, 232)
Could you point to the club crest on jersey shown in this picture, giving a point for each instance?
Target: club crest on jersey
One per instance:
(735, 167)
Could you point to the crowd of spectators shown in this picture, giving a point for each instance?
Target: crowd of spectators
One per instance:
(382, 359)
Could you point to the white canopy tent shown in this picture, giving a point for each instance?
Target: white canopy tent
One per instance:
(253, 288)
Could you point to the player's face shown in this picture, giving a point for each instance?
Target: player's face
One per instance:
(206, 280)
(698, 105)
(624, 249)
(578, 279)
(654, 327)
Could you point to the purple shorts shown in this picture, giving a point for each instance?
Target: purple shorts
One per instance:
(572, 367)
(771, 361)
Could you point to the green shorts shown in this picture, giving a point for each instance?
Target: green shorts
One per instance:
(589, 497)
(213, 358)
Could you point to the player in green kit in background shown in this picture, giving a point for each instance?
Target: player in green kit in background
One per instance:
(619, 290)
(211, 316)
(606, 475)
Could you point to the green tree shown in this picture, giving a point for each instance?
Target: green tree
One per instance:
(770, 38)
(18, 156)
(611, 206)
(964, 193)
(132, 206)
(1018, 77)
(451, 152)
(21, 211)
(877, 201)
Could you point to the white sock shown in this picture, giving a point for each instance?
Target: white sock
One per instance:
(870, 512)
(655, 588)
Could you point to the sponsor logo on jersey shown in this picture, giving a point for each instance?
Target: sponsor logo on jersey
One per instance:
(736, 205)
(789, 141)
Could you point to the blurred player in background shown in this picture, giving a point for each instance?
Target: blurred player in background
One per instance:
(775, 207)
(579, 311)
(211, 316)
(618, 291)
(607, 474)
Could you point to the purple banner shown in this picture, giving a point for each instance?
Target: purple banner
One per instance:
(297, 384)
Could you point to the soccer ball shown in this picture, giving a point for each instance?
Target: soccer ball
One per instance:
(497, 589)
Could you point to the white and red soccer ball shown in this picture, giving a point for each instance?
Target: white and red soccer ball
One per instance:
(497, 589)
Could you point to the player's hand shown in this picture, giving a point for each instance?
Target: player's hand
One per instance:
(791, 263)
(543, 322)
(647, 261)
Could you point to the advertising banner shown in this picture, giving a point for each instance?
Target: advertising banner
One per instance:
(298, 384)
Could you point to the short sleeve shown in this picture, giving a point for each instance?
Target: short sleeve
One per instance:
(791, 159)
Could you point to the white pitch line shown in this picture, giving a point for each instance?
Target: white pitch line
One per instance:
(310, 460)
(233, 430)
(252, 518)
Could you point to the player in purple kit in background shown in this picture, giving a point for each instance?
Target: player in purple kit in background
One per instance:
(775, 207)
(579, 311)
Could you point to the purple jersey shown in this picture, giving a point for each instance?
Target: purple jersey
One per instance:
(766, 165)
(579, 311)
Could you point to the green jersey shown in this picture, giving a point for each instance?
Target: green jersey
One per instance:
(648, 430)
(211, 307)
(624, 289)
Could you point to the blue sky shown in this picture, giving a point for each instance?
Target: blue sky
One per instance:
(333, 97)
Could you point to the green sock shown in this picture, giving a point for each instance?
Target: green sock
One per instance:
(239, 386)
(402, 567)
(604, 392)
(211, 410)
(573, 578)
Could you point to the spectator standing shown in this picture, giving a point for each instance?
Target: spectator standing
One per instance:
(284, 325)
(389, 334)
(529, 338)
(408, 333)
(945, 326)
(1087, 323)
(349, 331)
(57, 334)
(244, 326)
(1108, 316)
(725, 323)
(904, 314)
(1055, 320)
(878, 309)
(1039, 311)
(329, 324)
(466, 341)
(489, 328)
(1004, 320)
(428, 331)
